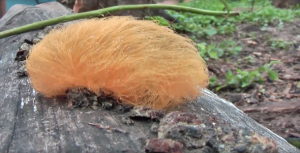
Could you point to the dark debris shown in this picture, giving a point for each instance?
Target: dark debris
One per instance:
(146, 113)
(82, 97)
(197, 132)
(22, 71)
(21, 55)
(124, 108)
(24, 49)
(157, 145)
(107, 103)
(127, 120)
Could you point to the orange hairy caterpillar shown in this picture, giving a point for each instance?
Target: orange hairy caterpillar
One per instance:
(140, 62)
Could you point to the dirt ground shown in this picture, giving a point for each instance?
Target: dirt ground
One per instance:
(274, 104)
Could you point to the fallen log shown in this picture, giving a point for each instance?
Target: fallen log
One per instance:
(30, 122)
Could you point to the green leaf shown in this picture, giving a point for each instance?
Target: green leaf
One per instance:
(211, 46)
(237, 50)
(220, 51)
(223, 44)
(261, 80)
(272, 75)
(213, 54)
(244, 73)
(212, 81)
(201, 46)
(210, 31)
(262, 69)
(267, 66)
(246, 83)
(160, 20)
(254, 74)
(229, 75)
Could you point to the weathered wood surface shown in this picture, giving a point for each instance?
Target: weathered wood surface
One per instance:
(31, 123)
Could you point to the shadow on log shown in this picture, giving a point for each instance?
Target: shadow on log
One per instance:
(31, 123)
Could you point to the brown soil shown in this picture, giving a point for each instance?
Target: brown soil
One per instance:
(274, 104)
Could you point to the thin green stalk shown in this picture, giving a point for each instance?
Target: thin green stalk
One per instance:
(252, 5)
(226, 6)
(97, 13)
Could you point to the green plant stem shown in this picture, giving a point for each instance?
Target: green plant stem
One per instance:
(97, 13)
(252, 5)
(221, 87)
(226, 6)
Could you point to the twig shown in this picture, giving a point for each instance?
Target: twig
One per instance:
(108, 128)
(96, 13)
(292, 78)
(287, 90)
